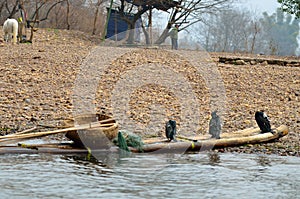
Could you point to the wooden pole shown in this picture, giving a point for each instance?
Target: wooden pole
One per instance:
(26, 131)
(107, 19)
(150, 26)
(41, 134)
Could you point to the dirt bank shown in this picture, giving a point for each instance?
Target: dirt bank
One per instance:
(37, 82)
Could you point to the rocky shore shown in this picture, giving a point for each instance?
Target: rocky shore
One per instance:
(37, 84)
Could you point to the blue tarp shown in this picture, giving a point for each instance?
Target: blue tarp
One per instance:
(116, 29)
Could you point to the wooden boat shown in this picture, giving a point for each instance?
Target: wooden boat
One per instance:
(109, 129)
(101, 126)
(184, 144)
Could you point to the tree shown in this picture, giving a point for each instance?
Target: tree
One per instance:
(290, 6)
(280, 33)
(61, 14)
(238, 31)
(38, 10)
(189, 12)
(39, 5)
(183, 12)
(8, 8)
(126, 11)
(230, 30)
(96, 5)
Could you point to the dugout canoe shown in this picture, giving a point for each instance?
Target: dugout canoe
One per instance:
(191, 144)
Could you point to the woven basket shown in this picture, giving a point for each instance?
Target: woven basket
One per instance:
(96, 136)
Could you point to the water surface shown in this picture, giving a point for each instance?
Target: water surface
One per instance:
(149, 176)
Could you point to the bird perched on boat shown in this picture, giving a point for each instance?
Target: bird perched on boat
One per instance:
(263, 122)
(215, 125)
(171, 130)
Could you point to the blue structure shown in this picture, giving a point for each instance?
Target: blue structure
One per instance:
(117, 27)
(158, 4)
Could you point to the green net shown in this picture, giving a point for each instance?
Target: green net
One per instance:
(122, 142)
(126, 138)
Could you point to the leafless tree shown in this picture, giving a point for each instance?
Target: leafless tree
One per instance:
(189, 12)
(183, 12)
(8, 8)
(96, 6)
(256, 31)
(230, 31)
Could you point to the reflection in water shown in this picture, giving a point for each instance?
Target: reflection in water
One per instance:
(263, 160)
(111, 175)
(104, 159)
(214, 158)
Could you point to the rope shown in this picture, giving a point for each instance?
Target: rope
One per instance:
(89, 155)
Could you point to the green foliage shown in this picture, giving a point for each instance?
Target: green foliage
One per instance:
(290, 6)
(280, 32)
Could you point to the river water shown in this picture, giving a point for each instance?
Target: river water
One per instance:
(203, 175)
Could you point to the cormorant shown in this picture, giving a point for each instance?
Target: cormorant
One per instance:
(263, 122)
(215, 125)
(171, 130)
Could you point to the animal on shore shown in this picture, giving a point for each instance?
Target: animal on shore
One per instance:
(10, 29)
(215, 126)
(171, 130)
(263, 122)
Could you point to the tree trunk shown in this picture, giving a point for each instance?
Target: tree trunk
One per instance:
(31, 33)
(131, 33)
(36, 19)
(95, 20)
(256, 29)
(162, 38)
(14, 10)
(68, 15)
(146, 33)
(1, 8)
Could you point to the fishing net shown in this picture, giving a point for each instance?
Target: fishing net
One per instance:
(126, 138)
(121, 142)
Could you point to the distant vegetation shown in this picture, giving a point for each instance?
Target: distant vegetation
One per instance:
(291, 6)
(239, 31)
(214, 25)
(90, 15)
(84, 15)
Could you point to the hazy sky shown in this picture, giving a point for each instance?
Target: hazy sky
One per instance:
(261, 6)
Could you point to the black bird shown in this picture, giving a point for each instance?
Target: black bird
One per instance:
(263, 122)
(215, 125)
(171, 130)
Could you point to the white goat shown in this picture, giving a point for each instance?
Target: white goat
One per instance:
(10, 29)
